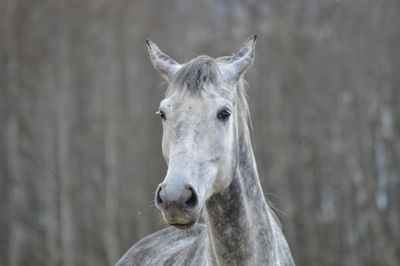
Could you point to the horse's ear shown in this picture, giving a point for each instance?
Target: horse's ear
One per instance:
(239, 62)
(162, 62)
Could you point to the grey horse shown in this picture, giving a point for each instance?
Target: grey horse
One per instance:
(212, 174)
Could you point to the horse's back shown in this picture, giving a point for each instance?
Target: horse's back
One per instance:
(170, 246)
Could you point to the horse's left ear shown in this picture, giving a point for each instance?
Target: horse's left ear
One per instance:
(162, 62)
(239, 62)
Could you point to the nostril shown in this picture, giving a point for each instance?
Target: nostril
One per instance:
(192, 201)
(158, 197)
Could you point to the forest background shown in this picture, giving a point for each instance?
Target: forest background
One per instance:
(80, 153)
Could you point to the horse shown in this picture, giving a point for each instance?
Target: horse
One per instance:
(212, 174)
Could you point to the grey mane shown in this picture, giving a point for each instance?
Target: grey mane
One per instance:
(197, 74)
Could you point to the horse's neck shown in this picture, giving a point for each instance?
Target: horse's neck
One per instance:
(240, 224)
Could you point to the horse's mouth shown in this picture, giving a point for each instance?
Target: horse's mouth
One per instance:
(184, 226)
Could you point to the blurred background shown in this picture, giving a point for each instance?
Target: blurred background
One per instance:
(80, 153)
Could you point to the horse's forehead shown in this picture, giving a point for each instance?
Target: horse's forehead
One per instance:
(205, 98)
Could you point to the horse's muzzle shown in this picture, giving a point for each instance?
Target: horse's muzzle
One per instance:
(179, 204)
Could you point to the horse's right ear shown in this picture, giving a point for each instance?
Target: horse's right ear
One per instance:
(162, 62)
(239, 62)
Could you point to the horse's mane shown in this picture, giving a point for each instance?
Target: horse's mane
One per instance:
(197, 74)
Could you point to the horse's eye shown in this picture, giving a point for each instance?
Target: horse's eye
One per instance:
(223, 115)
(161, 114)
